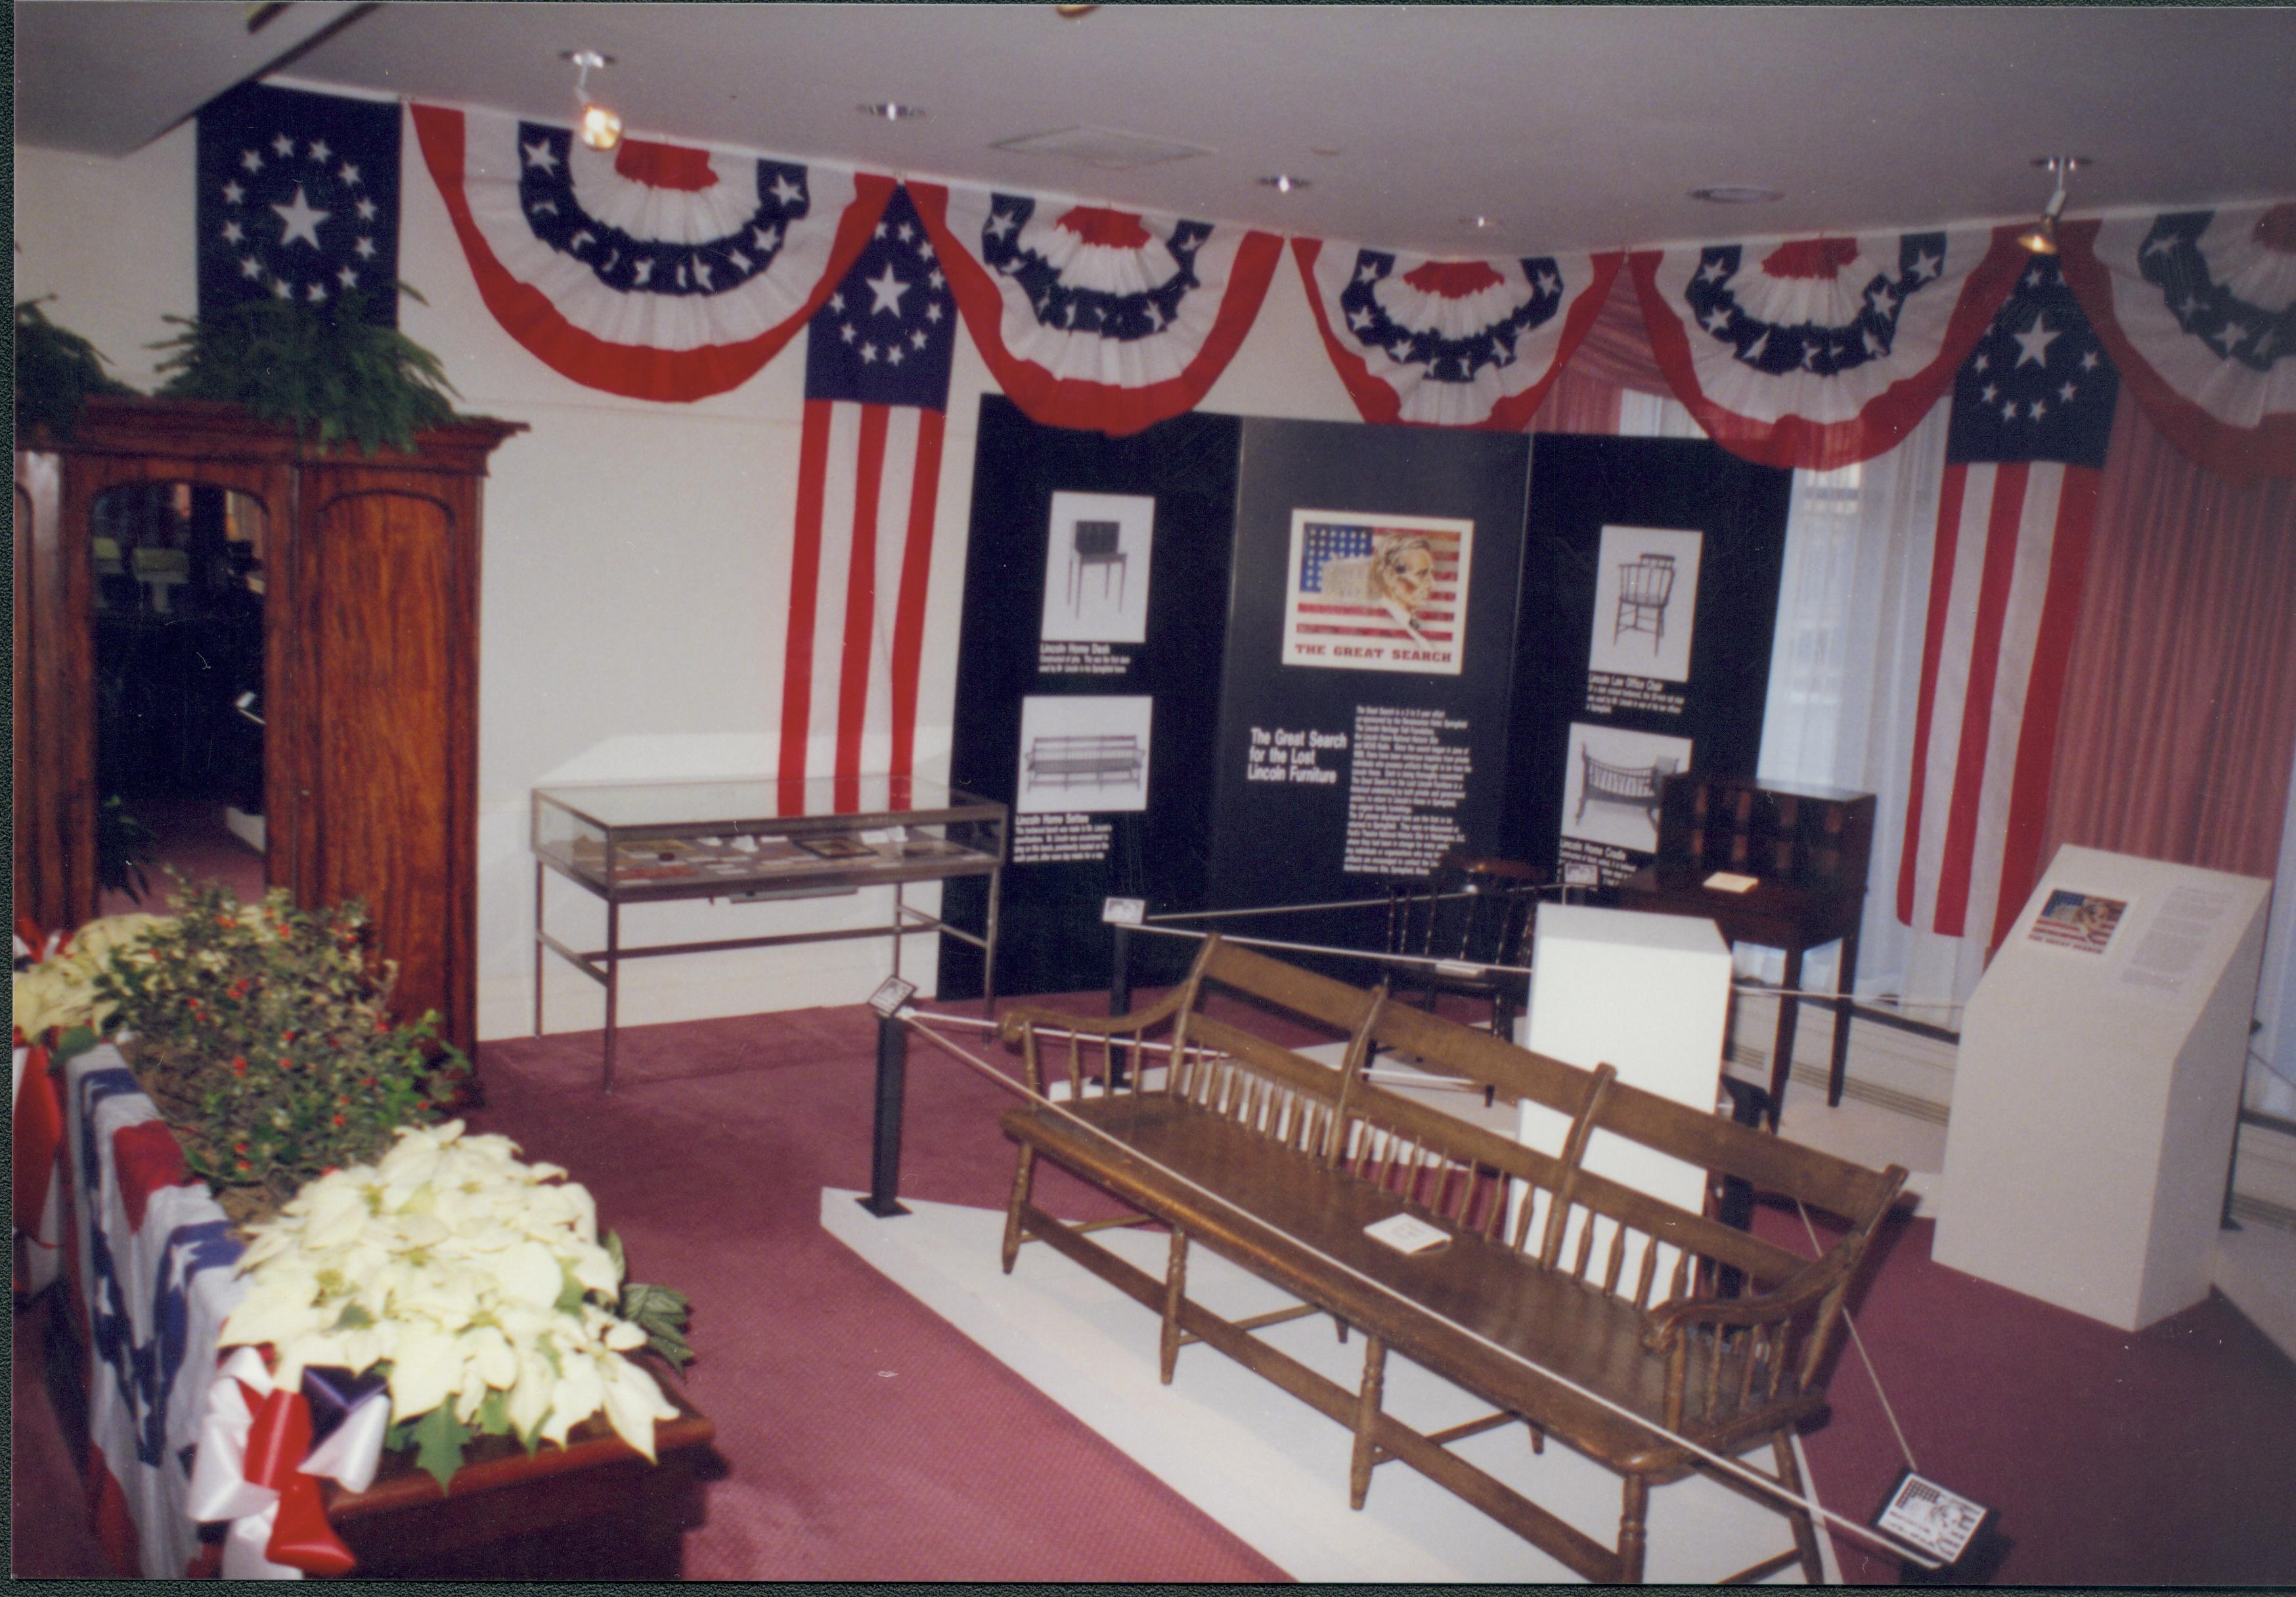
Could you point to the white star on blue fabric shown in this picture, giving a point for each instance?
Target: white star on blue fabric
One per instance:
(300, 220)
(786, 191)
(888, 288)
(2033, 342)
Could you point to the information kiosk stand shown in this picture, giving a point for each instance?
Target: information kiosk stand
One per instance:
(2097, 1086)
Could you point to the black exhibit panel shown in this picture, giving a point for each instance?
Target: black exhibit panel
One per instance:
(1370, 645)
(1650, 598)
(1088, 665)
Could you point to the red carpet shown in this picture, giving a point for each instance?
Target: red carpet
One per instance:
(865, 1439)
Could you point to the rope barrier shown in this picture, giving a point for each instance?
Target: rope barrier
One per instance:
(1856, 1529)
(1858, 1341)
(1460, 967)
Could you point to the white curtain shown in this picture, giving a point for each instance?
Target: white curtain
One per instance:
(1845, 680)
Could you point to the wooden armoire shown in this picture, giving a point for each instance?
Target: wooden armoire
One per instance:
(371, 657)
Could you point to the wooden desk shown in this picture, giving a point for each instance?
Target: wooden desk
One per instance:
(593, 1510)
(1770, 915)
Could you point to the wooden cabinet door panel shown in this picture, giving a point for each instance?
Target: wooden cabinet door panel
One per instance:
(381, 608)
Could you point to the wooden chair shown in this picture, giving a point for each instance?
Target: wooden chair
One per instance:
(1471, 912)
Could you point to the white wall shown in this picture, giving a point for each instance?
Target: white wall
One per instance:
(636, 568)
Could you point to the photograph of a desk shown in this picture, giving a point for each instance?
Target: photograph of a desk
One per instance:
(756, 840)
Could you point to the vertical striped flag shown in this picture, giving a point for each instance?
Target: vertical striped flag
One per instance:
(878, 355)
(2032, 412)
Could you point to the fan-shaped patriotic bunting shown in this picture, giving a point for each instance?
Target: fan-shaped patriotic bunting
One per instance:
(1098, 318)
(2198, 308)
(1823, 351)
(1451, 343)
(658, 271)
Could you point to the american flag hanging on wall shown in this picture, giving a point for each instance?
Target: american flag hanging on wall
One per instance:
(2032, 414)
(878, 355)
(297, 200)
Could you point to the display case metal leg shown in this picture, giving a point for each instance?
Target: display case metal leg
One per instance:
(539, 951)
(885, 1141)
(613, 983)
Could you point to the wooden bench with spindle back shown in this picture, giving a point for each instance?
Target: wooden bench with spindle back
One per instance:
(1552, 1276)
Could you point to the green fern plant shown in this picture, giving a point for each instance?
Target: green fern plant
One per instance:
(335, 374)
(56, 371)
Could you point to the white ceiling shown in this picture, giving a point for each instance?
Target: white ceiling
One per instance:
(1573, 128)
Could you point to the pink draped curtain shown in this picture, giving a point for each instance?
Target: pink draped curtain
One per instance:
(2179, 718)
(1615, 357)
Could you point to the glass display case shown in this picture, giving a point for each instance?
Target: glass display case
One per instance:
(756, 839)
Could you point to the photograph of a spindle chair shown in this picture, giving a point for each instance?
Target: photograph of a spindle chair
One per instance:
(1645, 588)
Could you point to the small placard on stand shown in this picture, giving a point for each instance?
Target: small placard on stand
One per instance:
(1123, 911)
(1955, 1531)
(891, 994)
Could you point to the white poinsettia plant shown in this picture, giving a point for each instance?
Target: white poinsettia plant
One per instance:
(477, 1280)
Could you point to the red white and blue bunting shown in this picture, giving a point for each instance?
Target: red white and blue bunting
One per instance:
(656, 271)
(1823, 351)
(2198, 309)
(1096, 318)
(1451, 343)
(153, 1266)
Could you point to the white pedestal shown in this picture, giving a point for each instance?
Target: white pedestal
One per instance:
(2098, 1080)
(1648, 995)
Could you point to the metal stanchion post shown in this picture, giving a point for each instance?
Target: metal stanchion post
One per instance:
(1119, 998)
(885, 1150)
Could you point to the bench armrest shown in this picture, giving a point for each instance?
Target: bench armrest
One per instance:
(1028, 1016)
(1670, 1320)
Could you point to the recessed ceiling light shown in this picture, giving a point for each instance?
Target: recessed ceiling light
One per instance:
(1477, 222)
(890, 111)
(1282, 182)
(1736, 193)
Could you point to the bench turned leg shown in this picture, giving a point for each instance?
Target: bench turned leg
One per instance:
(1176, 1292)
(1367, 1401)
(1023, 1175)
(1631, 1536)
(1538, 1436)
(1813, 1566)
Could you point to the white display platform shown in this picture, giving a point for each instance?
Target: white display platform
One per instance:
(1266, 1467)
(1648, 995)
(2099, 1076)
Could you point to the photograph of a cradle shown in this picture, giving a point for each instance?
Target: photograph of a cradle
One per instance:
(1645, 586)
(1097, 760)
(1636, 787)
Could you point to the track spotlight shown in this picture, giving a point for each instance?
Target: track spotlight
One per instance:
(600, 127)
(2041, 237)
